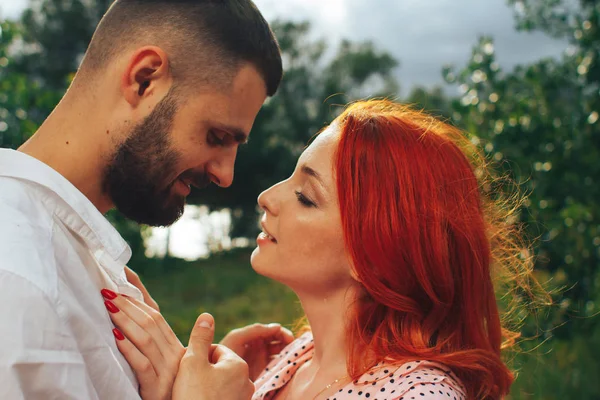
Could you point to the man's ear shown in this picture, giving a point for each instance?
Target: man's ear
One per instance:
(146, 75)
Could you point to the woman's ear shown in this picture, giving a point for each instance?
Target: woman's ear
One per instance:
(352, 270)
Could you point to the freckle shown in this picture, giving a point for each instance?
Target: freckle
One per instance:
(67, 142)
(107, 132)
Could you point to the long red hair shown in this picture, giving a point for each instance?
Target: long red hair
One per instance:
(423, 237)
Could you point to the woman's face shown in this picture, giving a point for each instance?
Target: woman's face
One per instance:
(302, 243)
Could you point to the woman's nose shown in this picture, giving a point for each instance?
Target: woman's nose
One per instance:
(267, 200)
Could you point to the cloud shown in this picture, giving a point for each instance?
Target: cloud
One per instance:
(422, 35)
(11, 8)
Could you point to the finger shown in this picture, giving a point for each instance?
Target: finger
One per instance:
(141, 366)
(134, 279)
(201, 337)
(227, 361)
(140, 337)
(284, 336)
(162, 324)
(275, 348)
(222, 354)
(149, 300)
(255, 332)
(142, 318)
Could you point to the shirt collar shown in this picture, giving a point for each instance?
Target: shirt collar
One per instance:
(78, 212)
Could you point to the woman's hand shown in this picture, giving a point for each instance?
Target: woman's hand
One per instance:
(134, 279)
(257, 344)
(146, 340)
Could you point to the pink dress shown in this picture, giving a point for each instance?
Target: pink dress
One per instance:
(421, 380)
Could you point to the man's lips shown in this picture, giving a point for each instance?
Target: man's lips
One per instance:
(197, 181)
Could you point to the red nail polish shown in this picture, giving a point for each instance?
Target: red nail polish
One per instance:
(111, 307)
(118, 334)
(109, 294)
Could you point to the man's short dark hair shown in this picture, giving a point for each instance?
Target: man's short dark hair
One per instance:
(206, 40)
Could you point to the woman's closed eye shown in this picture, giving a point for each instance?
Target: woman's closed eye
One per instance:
(305, 201)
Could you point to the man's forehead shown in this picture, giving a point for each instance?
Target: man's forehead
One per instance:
(216, 114)
(231, 113)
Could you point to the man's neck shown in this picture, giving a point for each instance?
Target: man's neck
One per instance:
(69, 141)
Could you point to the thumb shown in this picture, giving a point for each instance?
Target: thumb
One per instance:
(201, 337)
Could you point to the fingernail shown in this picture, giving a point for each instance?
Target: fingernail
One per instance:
(111, 307)
(109, 294)
(205, 321)
(118, 334)
(273, 325)
(204, 324)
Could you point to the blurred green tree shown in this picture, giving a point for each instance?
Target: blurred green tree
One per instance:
(23, 100)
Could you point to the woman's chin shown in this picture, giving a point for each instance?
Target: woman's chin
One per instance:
(256, 261)
(261, 265)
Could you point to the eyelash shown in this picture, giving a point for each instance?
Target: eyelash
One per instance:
(304, 200)
(214, 140)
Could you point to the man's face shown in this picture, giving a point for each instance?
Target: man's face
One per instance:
(184, 142)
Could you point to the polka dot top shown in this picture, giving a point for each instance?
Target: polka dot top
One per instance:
(420, 380)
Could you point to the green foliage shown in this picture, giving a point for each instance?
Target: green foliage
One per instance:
(434, 101)
(55, 37)
(24, 102)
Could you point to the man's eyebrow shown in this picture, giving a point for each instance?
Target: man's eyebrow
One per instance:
(238, 134)
(311, 172)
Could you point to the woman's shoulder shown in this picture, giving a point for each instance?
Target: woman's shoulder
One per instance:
(412, 380)
(284, 365)
(296, 349)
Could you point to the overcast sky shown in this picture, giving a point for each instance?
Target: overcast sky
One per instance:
(423, 35)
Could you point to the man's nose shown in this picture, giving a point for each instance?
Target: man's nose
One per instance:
(221, 171)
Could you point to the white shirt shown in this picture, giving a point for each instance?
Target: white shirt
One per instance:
(57, 251)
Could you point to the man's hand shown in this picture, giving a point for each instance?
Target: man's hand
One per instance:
(211, 372)
(135, 280)
(257, 344)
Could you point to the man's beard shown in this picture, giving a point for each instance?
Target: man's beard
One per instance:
(136, 179)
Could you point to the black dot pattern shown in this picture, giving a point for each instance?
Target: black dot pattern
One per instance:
(421, 379)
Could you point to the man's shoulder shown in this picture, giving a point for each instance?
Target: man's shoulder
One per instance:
(26, 234)
(24, 208)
